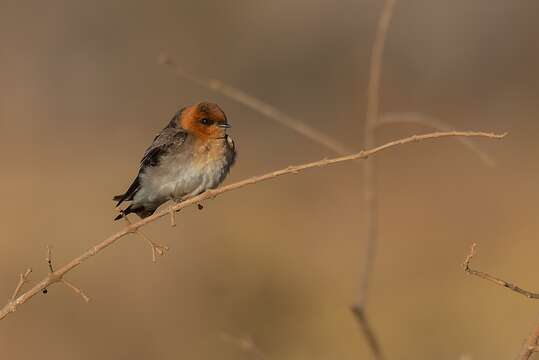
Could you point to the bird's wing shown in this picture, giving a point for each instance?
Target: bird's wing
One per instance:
(169, 136)
(161, 143)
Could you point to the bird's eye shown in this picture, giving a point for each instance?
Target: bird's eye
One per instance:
(206, 121)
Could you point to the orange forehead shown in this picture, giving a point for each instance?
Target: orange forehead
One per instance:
(193, 114)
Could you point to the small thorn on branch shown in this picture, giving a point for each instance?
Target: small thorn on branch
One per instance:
(48, 259)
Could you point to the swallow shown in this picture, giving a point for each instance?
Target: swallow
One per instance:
(192, 154)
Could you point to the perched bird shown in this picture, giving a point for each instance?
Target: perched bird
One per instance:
(191, 154)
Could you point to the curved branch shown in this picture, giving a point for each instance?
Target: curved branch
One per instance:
(259, 106)
(436, 124)
(57, 275)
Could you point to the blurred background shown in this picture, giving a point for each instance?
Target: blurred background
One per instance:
(278, 263)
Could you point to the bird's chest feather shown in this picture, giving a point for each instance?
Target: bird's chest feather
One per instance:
(188, 172)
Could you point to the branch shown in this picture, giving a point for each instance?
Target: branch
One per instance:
(370, 199)
(259, 106)
(436, 124)
(56, 276)
(531, 344)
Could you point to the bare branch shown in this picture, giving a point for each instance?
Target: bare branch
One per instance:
(370, 199)
(57, 275)
(495, 280)
(259, 106)
(436, 124)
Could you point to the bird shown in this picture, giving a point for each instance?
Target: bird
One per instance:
(193, 153)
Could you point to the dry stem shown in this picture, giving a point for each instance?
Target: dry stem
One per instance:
(57, 275)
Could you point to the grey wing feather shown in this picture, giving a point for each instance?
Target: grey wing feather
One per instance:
(169, 136)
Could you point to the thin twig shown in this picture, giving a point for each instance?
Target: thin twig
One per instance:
(370, 199)
(531, 344)
(259, 106)
(156, 248)
(210, 194)
(76, 289)
(436, 124)
(23, 278)
(493, 279)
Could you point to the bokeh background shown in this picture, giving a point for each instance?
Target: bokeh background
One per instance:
(82, 96)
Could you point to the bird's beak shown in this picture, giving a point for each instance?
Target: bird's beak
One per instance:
(224, 125)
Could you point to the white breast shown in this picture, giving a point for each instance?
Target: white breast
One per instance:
(180, 176)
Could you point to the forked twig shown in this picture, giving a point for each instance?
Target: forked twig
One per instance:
(493, 279)
(57, 275)
(23, 279)
(156, 248)
(61, 278)
(531, 344)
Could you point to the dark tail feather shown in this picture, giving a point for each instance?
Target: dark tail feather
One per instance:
(142, 212)
(118, 197)
(129, 194)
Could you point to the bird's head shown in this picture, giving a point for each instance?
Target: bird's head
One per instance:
(205, 120)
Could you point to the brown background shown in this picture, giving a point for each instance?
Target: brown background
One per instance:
(82, 96)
